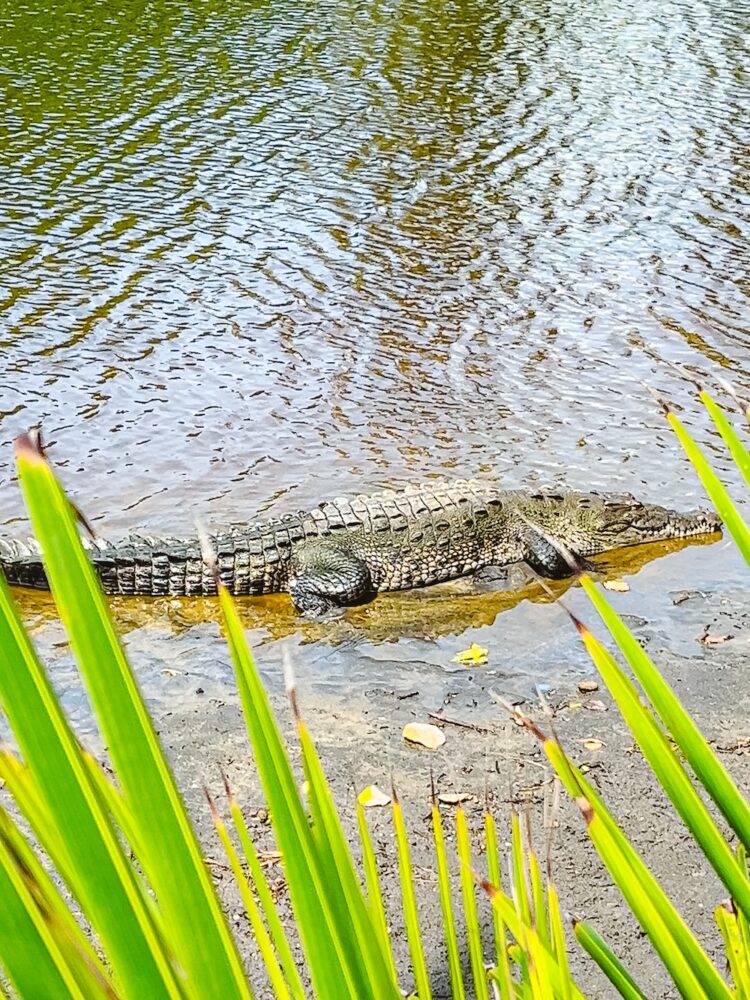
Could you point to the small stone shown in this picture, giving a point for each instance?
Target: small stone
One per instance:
(585, 687)
(424, 734)
(592, 744)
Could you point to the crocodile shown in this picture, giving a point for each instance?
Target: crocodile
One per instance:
(345, 551)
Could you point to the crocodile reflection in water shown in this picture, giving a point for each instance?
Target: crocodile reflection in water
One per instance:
(446, 609)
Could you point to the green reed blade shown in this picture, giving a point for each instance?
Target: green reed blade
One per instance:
(699, 755)
(199, 937)
(520, 883)
(99, 874)
(308, 891)
(540, 973)
(411, 916)
(691, 969)
(267, 905)
(261, 935)
(473, 932)
(505, 985)
(29, 952)
(670, 772)
(608, 962)
(43, 930)
(23, 790)
(739, 453)
(113, 801)
(538, 897)
(524, 933)
(725, 507)
(446, 904)
(735, 951)
(374, 894)
(559, 949)
(366, 958)
(742, 921)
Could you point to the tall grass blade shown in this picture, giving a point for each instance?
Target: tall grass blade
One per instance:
(97, 871)
(699, 755)
(520, 884)
(738, 451)
(503, 980)
(35, 945)
(446, 904)
(557, 933)
(374, 894)
(473, 931)
(734, 946)
(538, 897)
(668, 769)
(714, 487)
(367, 962)
(608, 962)
(523, 933)
(687, 963)
(265, 899)
(411, 915)
(89, 972)
(308, 891)
(199, 936)
(262, 938)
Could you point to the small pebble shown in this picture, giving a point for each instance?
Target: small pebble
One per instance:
(586, 686)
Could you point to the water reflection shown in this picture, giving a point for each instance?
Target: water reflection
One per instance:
(255, 255)
(446, 609)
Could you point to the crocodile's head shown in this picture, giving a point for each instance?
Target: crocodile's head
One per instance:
(589, 523)
(600, 523)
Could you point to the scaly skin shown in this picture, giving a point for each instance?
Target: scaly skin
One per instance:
(346, 551)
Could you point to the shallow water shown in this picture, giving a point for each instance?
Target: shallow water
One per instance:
(252, 257)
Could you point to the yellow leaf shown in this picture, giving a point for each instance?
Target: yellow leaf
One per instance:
(424, 734)
(619, 586)
(473, 656)
(373, 796)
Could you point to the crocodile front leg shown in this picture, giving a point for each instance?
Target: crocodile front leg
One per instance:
(325, 575)
(546, 559)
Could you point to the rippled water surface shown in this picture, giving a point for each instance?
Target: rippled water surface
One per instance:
(254, 255)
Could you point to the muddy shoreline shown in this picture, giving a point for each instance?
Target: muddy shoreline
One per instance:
(359, 740)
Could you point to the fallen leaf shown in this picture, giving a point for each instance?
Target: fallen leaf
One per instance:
(169, 673)
(592, 744)
(585, 687)
(424, 734)
(575, 704)
(619, 586)
(473, 656)
(373, 796)
(453, 798)
(713, 640)
(595, 706)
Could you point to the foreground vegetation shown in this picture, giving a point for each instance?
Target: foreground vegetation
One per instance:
(104, 891)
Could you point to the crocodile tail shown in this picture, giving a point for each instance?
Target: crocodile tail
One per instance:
(21, 562)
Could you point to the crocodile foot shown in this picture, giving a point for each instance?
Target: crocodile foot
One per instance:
(326, 576)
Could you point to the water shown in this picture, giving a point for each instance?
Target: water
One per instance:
(259, 255)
